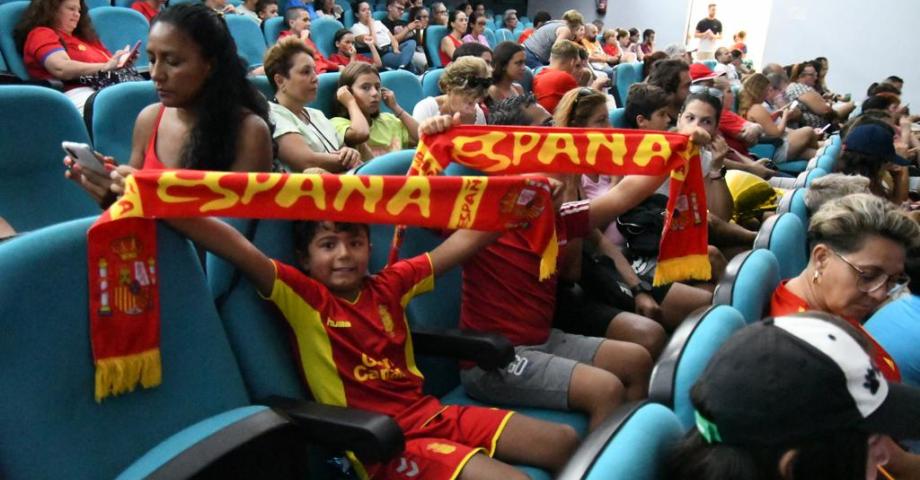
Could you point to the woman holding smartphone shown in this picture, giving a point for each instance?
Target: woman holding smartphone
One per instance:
(799, 143)
(209, 116)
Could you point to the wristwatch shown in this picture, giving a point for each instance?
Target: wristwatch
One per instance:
(721, 174)
(641, 287)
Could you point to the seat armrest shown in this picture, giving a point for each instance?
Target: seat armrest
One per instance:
(372, 436)
(594, 444)
(490, 351)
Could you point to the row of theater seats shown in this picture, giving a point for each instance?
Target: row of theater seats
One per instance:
(221, 357)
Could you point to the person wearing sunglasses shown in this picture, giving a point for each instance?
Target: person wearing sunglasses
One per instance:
(475, 31)
(858, 248)
(465, 83)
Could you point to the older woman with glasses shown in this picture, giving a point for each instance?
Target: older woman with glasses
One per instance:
(438, 14)
(858, 248)
(464, 84)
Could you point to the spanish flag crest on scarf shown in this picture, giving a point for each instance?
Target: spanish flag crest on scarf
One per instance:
(123, 277)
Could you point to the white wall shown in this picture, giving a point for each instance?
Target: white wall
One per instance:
(864, 41)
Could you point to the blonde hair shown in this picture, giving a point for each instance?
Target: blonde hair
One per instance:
(576, 106)
(831, 186)
(754, 87)
(565, 50)
(456, 74)
(573, 18)
(844, 223)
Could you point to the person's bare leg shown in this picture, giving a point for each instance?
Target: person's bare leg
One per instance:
(723, 234)
(643, 331)
(595, 391)
(631, 363)
(481, 467)
(800, 140)
(6, 230)
(529, 441)
(680, 301)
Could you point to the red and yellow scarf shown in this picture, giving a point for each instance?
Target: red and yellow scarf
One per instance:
(124, 301)
(503, 150)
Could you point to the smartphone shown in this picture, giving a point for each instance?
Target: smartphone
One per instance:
(124, 58)
(85, 156)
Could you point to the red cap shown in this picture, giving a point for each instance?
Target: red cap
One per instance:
(700, 72)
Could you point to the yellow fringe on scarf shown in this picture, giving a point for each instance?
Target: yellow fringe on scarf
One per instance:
(548, 258)
(690, 267)
(118, 375)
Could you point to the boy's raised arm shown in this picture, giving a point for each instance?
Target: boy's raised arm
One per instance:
(224, 241)
(458, 247)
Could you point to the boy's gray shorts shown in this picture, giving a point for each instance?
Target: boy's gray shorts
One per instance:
(538, 377)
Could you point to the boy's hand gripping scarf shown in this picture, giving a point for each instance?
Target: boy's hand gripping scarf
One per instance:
(124, 297)
(502, 150)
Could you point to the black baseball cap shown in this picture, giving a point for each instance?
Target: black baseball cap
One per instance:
(874, 140)
(794, 378)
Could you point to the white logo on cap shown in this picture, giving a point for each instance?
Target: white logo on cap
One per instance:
(865, 384)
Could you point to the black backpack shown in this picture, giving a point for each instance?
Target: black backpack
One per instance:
(642, 226)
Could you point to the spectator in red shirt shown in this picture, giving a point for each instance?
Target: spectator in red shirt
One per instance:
(346, 53)
(57, 41)
(298, 20)
(566, 61)
(148, 8)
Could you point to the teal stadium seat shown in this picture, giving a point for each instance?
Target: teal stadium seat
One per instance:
(119, 27)
(348, 16)
(325, 93)
(785, 236)
(430, 79)
(710, 63)
(250, 43)
(633, 444)
(490, 37)
(33, 190)
(748, 283)
(10, 13)
(322, 31)
(618, 117)
(685, 357)
(123, 3)
(262, 85)
(92, 4)
(504, 35)
(793, 201)
(112, 116)
(379, 15)
(50, 424)
(272, 28)
(3, 66)
(436, 33)
(527, 80)
(626, 75)
(405, 85)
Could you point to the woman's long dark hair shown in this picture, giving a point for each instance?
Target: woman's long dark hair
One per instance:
(838, 456)
(226, 95)
(42, 13)
(501, 57)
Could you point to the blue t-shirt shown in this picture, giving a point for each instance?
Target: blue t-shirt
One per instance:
(896, 327)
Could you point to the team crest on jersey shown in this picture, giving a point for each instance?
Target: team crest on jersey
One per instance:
(387, 320)
(135, 277)
(442, 448)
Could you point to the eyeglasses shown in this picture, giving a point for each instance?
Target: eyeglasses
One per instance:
(868, 282)
(812, 74)
(715, 92)
(481, 24)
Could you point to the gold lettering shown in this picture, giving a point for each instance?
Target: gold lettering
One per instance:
(211, 181)
(372, 192)
(416, 190)
(524, 142)
(254, 186)
(652, 145)
(615, 144)
(487, 142)
(360, 374)
(293, 190)
(551, 149)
